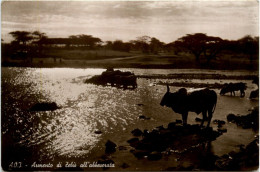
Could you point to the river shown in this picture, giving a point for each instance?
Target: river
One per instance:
(68, 134)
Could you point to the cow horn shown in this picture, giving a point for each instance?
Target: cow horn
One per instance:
(168, 88)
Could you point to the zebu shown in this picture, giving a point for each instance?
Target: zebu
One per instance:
(202, 101)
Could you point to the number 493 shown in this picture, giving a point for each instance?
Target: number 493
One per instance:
(15, 165)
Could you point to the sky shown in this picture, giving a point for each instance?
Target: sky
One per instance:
(127, 20)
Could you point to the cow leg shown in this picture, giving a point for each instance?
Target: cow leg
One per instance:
(242, 93)
(204, 116)
(184, 118)
(209, 117)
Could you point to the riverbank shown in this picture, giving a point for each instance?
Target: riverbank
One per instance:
(143, 61)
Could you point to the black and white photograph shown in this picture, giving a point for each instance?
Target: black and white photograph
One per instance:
(129, 85)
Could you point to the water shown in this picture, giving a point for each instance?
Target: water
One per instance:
(69, 133)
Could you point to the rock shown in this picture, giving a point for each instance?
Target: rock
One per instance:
(137, 132)
(144, 117)
(219, 122)
(160, 127)
(133, 142)
(246, 121)
(171, 125)
(140, 153)
(222, 130)
(98, 132)
(246, 158)
(124, 165)
(45, 106)
(145, 133)
(231, 117)
(154, 156)
(175, 136)
(140, 104)
(110, 147)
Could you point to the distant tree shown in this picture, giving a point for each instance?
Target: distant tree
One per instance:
(195, 43)
(156, 45)
(22, 36)
(213, 46)
(119, 45)
(200, 43)
(143, 43)
(249, 45)
(85, 40)
(38, 38)
(109, 44)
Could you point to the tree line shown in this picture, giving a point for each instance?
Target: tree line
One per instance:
(197, 44)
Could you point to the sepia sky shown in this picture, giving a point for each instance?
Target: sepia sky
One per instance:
(126, 20)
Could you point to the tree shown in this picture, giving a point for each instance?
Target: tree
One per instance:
(249, 45)
(21, 36)
(200, 43)
(143, 43)
(119, 45)
(194, 43)
(155, 45)
(39, 37)
(213, 46)
(85, 40)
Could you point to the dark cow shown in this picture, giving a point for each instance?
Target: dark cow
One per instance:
(182, 102)
(254, 94)
(126, 81)
(232, 87)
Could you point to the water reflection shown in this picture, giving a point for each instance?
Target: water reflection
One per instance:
(70, 131)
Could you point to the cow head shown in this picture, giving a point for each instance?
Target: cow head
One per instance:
(170, 99)
(224, 90)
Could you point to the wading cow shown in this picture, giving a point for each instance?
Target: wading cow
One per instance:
(254, 94)
(126, 81)
(232, 87)
(182, 102)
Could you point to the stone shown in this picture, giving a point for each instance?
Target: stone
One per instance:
(110, 147)
(137, 132)
(144, 117)
(124, 165)
(231, 117)
(171, 125)
(45, 106)
(98, 132)
(140, 153)
(154, 156)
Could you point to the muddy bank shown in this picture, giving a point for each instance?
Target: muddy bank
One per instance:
(194, 85)
(198, 76)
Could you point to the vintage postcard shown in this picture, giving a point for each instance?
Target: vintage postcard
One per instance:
(130, 85)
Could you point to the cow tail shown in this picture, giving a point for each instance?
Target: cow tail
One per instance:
(213, 110)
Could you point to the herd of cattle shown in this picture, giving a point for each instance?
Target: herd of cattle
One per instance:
(200, 101)
(115, 78)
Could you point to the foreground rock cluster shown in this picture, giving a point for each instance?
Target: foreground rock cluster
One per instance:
(248, 156)
(174, 138)
(250, 120)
